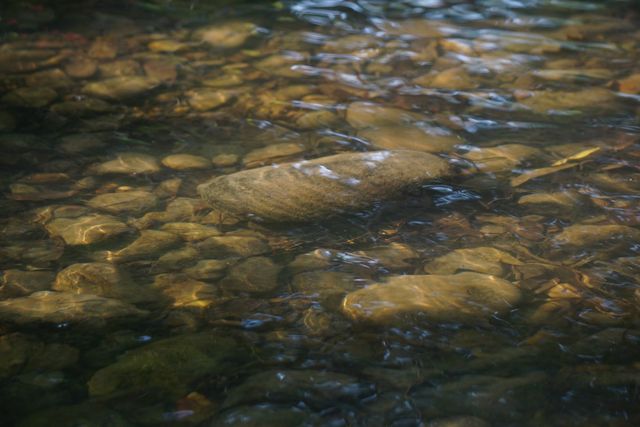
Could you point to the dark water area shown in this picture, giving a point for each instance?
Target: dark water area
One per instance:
(419, 213)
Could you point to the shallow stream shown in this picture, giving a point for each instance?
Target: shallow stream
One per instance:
(505, 292)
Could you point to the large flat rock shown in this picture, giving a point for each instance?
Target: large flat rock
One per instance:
(464, 297)
(315, 189)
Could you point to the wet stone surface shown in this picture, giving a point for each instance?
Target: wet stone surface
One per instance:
(344, 213)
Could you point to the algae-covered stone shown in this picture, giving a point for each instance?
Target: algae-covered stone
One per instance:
(131, 202)
(84, 414)
(253, 275)
(481, 260)
(128, 163)
(459, 421)
(464, 297)
(61, 307)
(556, 203)
(167, 367)
(316, 388)
(315, 189)
(20, 353)
(428, 139)
(87, 229)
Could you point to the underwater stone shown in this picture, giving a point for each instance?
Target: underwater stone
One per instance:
(167, 366)
(61, 307)
(315, 189)
(464, 297)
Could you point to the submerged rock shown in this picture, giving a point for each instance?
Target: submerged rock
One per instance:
(464, 297)
(261, 416)
(316, 388)
(100, 279)
(119, 88)
(311, 190)
(481, 260)
(17, 283)
(226, 35)
(128, 163)
(362, 115)
(149, 245)
(428, 139)
(253, 275)
(167, 367)
(20, 353)
(61, 307)
(587, 235)
(131, 202)
(186, 162)
(87, 229)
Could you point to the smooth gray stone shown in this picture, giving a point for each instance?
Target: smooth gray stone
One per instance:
(314, 189)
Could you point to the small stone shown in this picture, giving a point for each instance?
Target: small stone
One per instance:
(186, 162)
(128, 163)
(184, 291)
(456, 78)
(253, 275)
(17, 283)
(226, 35)
(120, 68)
(588, 235)
(161, 70)
(225, 160)
(30, 97)
(81, 107)
(463, 297)
(418, 138)
(87, 229)
(38, 253)
(317, 119)
(149, 245)
(232, 246)
(102, 279)
(103, 48)
(167, 46)
(168, 188)
(586, 99)
(261, 416)
(204, 99)
(176, 259)
(481, 260)
(272, 154)
(63, 307)
(327, 287)
(81, 68)
(191, 231)
(54, 78)
(393, 256)
(207, 269)
(361, 115)
(130, 202)
(182, 209)
(120, 88)
(501, 158)
(561, 202)
(630, 84)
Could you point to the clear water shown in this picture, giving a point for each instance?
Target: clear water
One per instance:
(263, 336)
